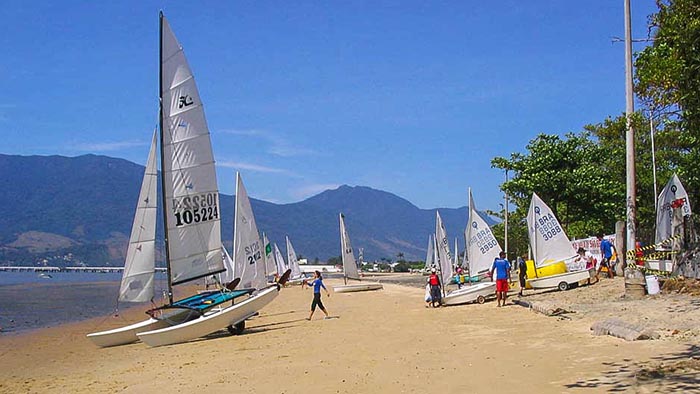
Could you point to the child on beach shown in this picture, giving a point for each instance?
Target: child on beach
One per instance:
(317, 283)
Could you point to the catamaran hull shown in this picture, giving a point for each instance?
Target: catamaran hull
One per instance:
(470, 293)
(358, 287)
(127, 334)
(562, 281)
(214, 320)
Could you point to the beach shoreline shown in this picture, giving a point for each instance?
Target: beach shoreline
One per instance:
(382, 341)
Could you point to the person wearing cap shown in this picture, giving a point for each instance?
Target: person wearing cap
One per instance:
(435, 291)
(501, 266)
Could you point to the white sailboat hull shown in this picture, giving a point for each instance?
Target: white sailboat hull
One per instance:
(470, 293)
(562, 281)
(212, 321)
(127, 334)
(363, 286)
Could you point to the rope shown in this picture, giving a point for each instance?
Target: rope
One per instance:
(631, 254)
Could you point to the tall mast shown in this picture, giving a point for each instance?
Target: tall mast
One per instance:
(162, 153)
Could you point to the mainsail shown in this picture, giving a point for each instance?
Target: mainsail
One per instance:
(139, 266)
(548, 241)
(191, 195)
(270, 265)
(281, 264)
(248, 261)
(292, 261)
(443, 250)
(429, 256)
(482, 246)
(673, 191)
(349, 263)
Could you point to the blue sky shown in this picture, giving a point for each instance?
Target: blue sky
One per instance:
(410, 97)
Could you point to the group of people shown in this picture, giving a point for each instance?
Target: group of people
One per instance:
(501, 269)
(501, 272)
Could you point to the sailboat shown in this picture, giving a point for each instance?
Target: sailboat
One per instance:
(191, 220)
(296, 277)
(442, 252)
(350, 266)
(429, 256)
(482, 249)
(550, 245)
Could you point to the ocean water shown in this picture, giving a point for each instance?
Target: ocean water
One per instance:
(28, 301)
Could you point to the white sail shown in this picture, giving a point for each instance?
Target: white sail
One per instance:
(226, 276)
(455, 256)
(349, 263)
(292, 261)
(248, 261)
(673, 191)
(139, 266)
(548, 241)
(282, 266)
(443, 250)
(191, 194)
(482, 246)
(429, 256)
(270, 265)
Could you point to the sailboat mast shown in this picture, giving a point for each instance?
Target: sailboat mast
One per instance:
(162, 153)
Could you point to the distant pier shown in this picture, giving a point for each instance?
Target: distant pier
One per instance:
(66, 269)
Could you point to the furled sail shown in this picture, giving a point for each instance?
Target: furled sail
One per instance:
(482, 246)
(349, 263)
(191, 194)
(548, 241)
(139, 266)
(247, 249)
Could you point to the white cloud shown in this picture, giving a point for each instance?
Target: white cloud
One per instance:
(276, 145)
(251, 167)
(311, 190)
(107, 146)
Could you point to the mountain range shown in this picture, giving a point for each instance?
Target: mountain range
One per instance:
(78, 210)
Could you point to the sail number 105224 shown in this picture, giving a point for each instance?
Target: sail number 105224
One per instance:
(196, 209)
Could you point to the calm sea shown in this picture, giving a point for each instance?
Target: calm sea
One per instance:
(28, 301)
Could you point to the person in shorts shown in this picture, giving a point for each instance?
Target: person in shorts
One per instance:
(501, 269)
(435, 290)
(522, 274)
(606, 252)
(317, 284)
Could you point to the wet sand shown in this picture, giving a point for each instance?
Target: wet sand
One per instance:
(381, 341)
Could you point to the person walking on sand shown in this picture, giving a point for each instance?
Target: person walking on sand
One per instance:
(522, 274)
(317, 284)
(606, 252)
(502, 268)
(435, 291)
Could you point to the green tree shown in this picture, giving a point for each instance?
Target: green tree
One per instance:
(667, 81)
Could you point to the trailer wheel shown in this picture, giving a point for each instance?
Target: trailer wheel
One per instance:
(480, 299)
(563, 286)
(237, 329)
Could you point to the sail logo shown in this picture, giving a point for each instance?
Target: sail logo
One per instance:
(185, 101)
(475, 225)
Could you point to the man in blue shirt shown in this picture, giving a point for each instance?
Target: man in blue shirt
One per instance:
(501, 266)
(606, 252)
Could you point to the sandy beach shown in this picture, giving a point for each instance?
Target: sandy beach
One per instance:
(384, 341)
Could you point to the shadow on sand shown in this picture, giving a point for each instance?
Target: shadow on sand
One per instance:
(674, 372)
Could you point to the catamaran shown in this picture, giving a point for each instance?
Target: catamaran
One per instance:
(482, 249)
(191, 218)
(350, 266)
(550, 245)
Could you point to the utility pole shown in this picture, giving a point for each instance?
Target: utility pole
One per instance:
(653, 157)
(506, 219)
(631, 202)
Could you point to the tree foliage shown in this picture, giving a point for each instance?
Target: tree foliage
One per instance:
(667, 81)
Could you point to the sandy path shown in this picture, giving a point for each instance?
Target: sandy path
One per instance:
(384, 341)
